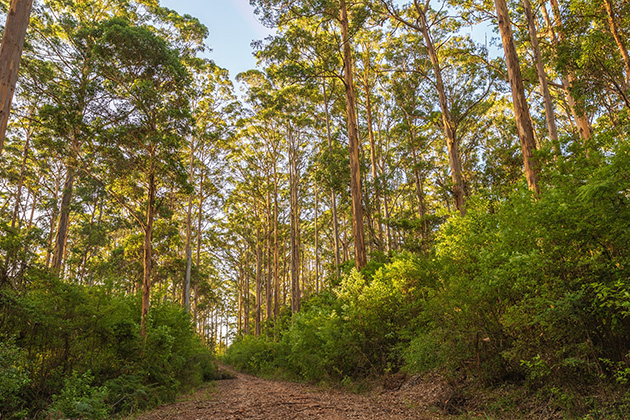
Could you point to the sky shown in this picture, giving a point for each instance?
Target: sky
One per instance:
(232, 27)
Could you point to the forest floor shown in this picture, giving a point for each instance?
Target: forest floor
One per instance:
(248, 397)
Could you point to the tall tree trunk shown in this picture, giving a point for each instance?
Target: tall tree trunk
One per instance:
(189, 230)
(276, 246)
(246, 293)
(568, 80)
(422, 25)
(521, 110)
(353, 138)
(295, 226)
(33, 208)
(18, 195)
(449, 133)
(241, 299)
(199, 221)
(422, 212)
(64, 222)
(451, 142)
(10, 55)
(388, 233)
(269, 278)
(370, 126)
(148, 250)
(316, 238)
(258, 283)
(333, 196)
(612, 22)
(542, 77)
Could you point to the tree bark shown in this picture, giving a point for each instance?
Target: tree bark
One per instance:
(459, 192)
(199, 221)
(577, 109)
(316, 238)
(53, 223)
(10, 54)
(239, 324)
(276, 246)
(295, 226)
(148, 251)
(333, 196)
(449, 133)
(258, 283)
(353, 138)
(620, 43)
(189, 231)
(521, 109)
(18, 195)
(64, 222)
(542, 77)
(269, 279)
(370, 127)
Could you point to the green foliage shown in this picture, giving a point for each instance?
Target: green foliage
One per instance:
(14, 379)
(355, 331)
(255, 355)
(83, 352)
(79, 399)
(533, 291)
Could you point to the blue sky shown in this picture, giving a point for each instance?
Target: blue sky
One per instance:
(232, 26)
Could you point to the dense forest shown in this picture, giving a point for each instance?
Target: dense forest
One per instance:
(399, 188)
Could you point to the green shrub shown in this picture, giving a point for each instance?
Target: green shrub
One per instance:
(94, 334)
(255, 355)
(14, 379)
(78, 399)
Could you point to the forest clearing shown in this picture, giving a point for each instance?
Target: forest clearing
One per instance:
(425, 203)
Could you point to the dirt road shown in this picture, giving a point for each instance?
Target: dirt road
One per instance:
(248, 397)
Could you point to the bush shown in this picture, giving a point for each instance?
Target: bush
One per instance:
(78, 399)
(255, 355)
(84, 348)
(14, 379)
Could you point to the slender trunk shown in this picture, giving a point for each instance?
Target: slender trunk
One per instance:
(53, 223)
(521, 110)
(316, 238)
(542, 77)
(246, 289)
(368, 106)
(620, 43)
(353, 138)
(459, 194)
(345, 243)
(18, 195)
(240, 281)
(13, 38)
(33, 208)
(568, 80)
(199, 221)
(419, 193)
(148, 250)
(284, 274)
(269, 279)
(276, 246)
(64, 222)
(388, 233)
(189, 232)
(333, 196)
(295, 228)
(258, 283)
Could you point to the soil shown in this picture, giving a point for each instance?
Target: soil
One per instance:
(249, 397)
